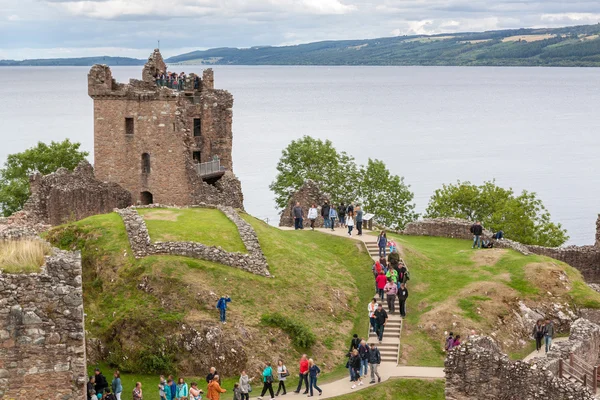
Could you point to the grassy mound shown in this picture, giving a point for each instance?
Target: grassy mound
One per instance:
(405, 389)
(133, 305)
(456, 288)
(22, 256)
(203, 225)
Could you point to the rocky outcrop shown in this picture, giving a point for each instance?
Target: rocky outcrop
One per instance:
(308, 194)
(254, 261)
(478, 369)
(42, 336)
(65, 196)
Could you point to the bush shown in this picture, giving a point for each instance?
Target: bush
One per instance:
(300, 334)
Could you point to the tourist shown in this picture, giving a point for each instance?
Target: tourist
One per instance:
(355, 366)
(376, 269)
(402, 274)
(394, 258)
(137, 391)
(237, 393)
(314, 372)
(297, 214)
(391, 289)
(325, 214)
(267, 378)
(354, 343)
(222, 306)
(350, 223)
(549, 334)
(359, 219)
(381, 318)
(117, 387)
(382, 244)
(214, 390)
(498, 235)
(372, 307)
(303, 374)
(195, 393)
(374, 361)
(245, 387)
(538, 333)
(381, 282)
(363, 352)
(392, 274)
(456, 341)
(212, 372)
(91, 388)
(477, 231)
(182, 390)
(312, 216)
(449, 342)
(172, 386)
(392, 246)
(342, 214)
(108, 395)
(169, 393)
(402, 296)
(162, 384)
(101, 382)
(196, 82)
(282, 374)
(332, 217)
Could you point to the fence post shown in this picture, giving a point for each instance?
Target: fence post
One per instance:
(595, 381)
(584, 379)
(560, 367)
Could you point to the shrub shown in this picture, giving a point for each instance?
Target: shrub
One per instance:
(22, 256)
(300, 334)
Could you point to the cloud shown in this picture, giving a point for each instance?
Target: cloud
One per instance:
(568, 18)
(13, 17)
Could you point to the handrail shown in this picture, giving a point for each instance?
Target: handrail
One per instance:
(582, 362)
(209, 167)
(579, 370)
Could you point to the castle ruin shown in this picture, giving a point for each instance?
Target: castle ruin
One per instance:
(164, 145)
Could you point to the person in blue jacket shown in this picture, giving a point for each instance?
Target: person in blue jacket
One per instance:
(222, 306)
(314, 372)
(332, 217)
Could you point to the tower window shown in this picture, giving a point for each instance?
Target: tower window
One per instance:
(145, 163)
(197, 127)
(129, 126)
(197, 157)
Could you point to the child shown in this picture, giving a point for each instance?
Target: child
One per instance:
(392, 245)
(161, 388)
(237, 392)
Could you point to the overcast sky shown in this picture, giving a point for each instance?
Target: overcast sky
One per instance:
(74, 28)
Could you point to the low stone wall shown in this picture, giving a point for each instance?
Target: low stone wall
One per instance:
(254, 261)
(479, 370)
(585, 258)
(64, 196)
(42, 336)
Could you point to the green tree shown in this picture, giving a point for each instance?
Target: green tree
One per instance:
(522, 217)
(386, 196)
(43, 158)
(308, 158)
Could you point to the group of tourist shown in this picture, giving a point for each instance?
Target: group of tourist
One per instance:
(479, 241)
(176, 81)
(349, 216)
(543, 331)
(98, 388)
(363, 357)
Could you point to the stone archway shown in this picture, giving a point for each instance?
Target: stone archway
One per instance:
(146, 198)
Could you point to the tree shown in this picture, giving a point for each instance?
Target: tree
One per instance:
(522, 217)
(338, 175)
(386, 195)
(43, 158)
(308, 158)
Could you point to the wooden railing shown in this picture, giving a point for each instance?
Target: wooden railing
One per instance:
(577, 369)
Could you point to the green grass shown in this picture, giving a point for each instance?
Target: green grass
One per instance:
(401, 389)
(203, 225)
(469, 306)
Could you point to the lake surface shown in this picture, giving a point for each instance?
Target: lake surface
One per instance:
(529, 128)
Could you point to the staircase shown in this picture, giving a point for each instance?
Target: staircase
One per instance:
(373, 249)
(390, 345)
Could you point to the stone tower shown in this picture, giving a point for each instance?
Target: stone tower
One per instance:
(164, 142)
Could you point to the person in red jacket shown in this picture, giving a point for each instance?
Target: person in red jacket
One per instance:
(381, 281)
(303, 375)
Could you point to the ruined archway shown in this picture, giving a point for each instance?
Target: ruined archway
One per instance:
(146, 198)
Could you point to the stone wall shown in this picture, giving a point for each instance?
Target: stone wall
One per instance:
(254, 261)
(585, 258)
(42, 336)
(479, 370)
(65, 196)
(308, 194)
(163, 129)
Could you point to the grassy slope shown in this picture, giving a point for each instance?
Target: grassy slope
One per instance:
(207, 226)
(316, 283)
(404, 389)
(448, 276)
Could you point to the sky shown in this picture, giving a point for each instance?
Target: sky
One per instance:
(80, 28)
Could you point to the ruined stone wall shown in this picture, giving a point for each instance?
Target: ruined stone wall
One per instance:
(308, 194)
(65, 196)
(585, 258)
(42, 336)
(477, 369)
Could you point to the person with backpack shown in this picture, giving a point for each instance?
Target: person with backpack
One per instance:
(282, 374)
(402, 296)
(382, 244)
(332, 217)
(477, 231)
(342, 214)
(222, 306)
(267, 376)
(363, 352)
(374, 361)
(101, 382)
(312, 216)
(325, 214)
(245, 387)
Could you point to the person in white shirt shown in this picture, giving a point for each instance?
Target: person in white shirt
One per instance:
(312, 216)
(372, 308)
(350, 223)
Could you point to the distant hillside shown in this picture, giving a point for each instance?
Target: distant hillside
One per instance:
(75, 62)
(569, 46)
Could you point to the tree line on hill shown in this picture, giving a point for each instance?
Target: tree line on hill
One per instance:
(522, 217)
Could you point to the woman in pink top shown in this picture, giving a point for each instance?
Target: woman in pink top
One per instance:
(391, 289)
